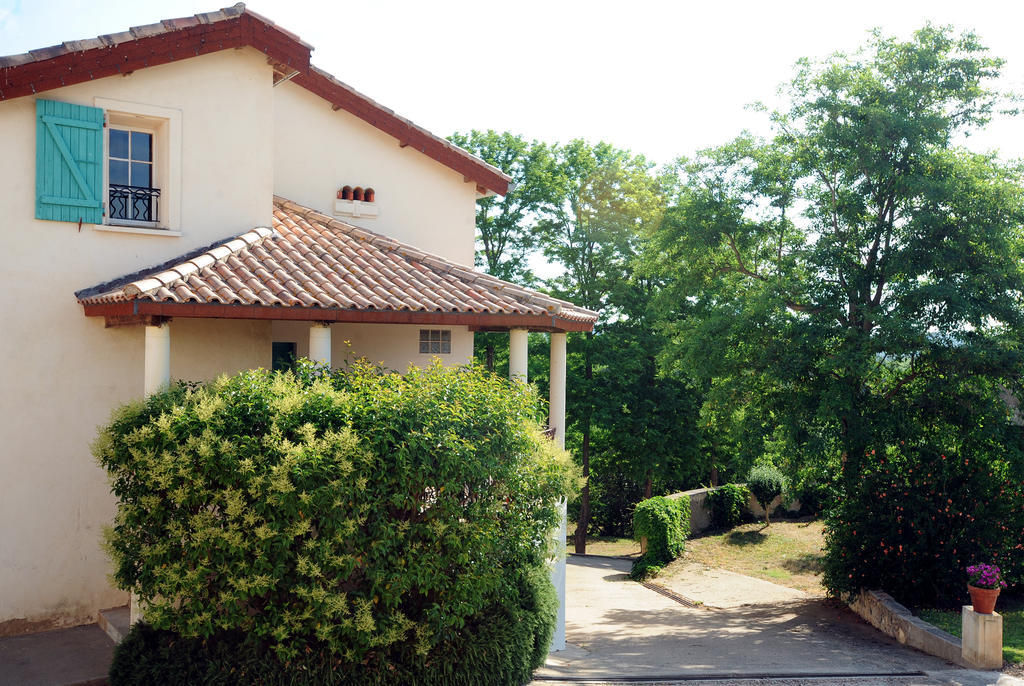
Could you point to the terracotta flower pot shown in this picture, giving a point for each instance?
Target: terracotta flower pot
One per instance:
(983, 599)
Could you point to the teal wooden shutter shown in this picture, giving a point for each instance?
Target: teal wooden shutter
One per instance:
(69, 162)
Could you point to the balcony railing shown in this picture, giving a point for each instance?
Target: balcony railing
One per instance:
(133, 203)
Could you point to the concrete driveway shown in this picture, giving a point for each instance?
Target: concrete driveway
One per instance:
(619, 630)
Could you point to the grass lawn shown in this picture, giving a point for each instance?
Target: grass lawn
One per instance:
(1012, 610)
(788, 552)
(604, 545)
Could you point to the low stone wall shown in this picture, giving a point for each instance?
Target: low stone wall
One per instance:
(700, 515)
(876, 607)
(700, 512)
(881, 611)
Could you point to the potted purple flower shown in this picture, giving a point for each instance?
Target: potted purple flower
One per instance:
(984, 582)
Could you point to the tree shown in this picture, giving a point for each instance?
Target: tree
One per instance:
(648, 419)
(766, 482)
(858, 266)
(604, 198)
(505, 224)
(644, 434)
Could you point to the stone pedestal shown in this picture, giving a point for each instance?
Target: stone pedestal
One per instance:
(982, 639)
(134, 611)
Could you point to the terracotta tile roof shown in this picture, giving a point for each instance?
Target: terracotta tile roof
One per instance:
(311, 260)
(77, 61)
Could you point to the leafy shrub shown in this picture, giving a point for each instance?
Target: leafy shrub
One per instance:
(767, 483)
(815, 495)
(917, 517)
(613, 496)
(665, 524)
(375, 517)
(501, 645)
(728, 505)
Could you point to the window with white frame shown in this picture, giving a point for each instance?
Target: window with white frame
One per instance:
(132, 191)
(142, 180)
(435, 342)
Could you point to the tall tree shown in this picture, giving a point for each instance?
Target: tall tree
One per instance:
(605, 197)
(857, 266)
(648, 419)
(506, 224)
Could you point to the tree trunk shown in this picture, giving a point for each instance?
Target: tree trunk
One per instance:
(856, 439)
(647, 486)
(580, 537)
(714, 477)
(490, 357)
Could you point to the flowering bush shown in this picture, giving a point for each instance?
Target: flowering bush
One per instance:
(373, 519)
(917, 518)
(985, 576)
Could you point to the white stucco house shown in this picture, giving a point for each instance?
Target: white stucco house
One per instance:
(193, 197)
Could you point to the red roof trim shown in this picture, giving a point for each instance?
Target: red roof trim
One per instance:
(408, 134)
(117, 313)
(177, 43)
(177, 39)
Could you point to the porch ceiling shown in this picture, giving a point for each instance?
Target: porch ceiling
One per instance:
(310, 266)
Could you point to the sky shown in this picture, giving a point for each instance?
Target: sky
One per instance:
(662, 79)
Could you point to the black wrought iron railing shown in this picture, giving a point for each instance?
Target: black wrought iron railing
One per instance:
(133, 203)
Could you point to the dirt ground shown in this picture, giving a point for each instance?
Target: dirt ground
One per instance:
(788, 553)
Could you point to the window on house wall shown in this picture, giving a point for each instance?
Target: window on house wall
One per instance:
(282, 355)
(435, 341)
(116, 164)
(132, 193)
(142, 167)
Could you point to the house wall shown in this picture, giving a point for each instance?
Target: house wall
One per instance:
(241, 140)
(394, 346)
(62, 372)
(203, 349)
(420, 201)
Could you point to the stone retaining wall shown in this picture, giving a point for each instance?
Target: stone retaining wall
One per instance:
(880, 610)
(700, 512)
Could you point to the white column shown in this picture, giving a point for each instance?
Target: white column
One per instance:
(556, 421)
(320, 343)
(158, 358)
(518, 353)
(157, 375)
(556, 399)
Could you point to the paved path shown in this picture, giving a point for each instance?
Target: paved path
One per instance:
(725, 589)
(65, 657)
(617, 628)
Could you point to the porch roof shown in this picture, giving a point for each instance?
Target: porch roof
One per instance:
(310, 266)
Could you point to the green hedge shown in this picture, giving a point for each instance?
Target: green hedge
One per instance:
(371, 518)
(665, 524)
(502, 645)
(728, 505)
